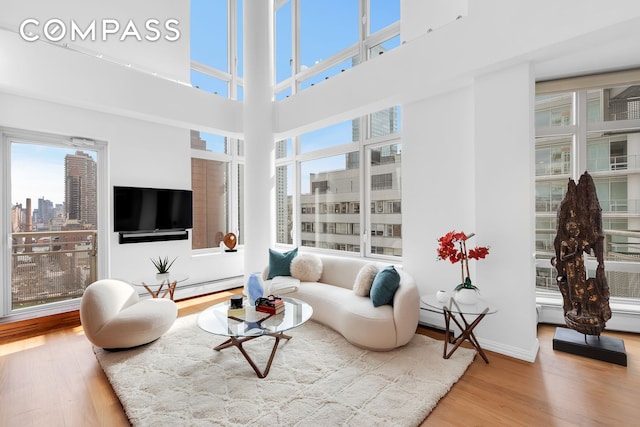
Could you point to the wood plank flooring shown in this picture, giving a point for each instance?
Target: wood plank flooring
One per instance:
(53, 379)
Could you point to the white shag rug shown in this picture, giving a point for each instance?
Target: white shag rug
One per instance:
(317, 379)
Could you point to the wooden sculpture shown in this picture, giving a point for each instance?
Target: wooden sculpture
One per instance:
(230, 240)
(586, 300)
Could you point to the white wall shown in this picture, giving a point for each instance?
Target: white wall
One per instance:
(168, 58)
(438, 183)
(504, 199)
(432, 14)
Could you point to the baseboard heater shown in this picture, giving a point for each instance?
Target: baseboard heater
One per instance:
(154, 236)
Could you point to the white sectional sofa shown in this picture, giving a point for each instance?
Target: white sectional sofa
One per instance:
(335, 304)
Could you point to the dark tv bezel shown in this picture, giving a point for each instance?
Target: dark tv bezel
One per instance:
(137, 235)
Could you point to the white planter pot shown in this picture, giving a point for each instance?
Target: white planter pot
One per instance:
(162, 276)
(442, 296)
(466, 296)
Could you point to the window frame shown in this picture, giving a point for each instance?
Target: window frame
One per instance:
(11, 135)
(232, 77)
(363, 227)
(580, 128)
(366, 41)
(233, 161)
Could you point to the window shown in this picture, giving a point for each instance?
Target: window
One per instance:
(54, 218)
(284, 208)
(316, 40)
(331, 192)
(382, 14)
(326, 27)
(216, 46)
(209, 180)
(604, 140)
(214, 161)
(381, 182)
(331, 136)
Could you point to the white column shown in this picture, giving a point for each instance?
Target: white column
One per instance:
(258, 132)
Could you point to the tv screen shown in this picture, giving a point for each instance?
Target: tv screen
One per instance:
(151, 209)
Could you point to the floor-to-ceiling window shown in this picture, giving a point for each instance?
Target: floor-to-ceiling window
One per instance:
(52, 206)
(338, 187)
(217, 168)
(591, 125)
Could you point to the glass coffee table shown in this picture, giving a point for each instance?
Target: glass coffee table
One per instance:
(254, 324)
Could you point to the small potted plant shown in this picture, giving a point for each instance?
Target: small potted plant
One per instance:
(162, 266)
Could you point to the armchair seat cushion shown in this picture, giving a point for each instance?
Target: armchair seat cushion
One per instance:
(113, 316)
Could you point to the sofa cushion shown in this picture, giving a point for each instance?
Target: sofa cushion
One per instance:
(280, 263)
(384, 286)
(364, 280)
(306, 268)
(280, 285)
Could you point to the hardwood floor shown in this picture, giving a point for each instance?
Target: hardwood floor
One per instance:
(53, 379)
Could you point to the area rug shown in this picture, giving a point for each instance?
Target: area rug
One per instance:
(317, 379)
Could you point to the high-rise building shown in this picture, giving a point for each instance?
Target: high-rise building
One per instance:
(80, 186)
(45, 211)
(208, 183)
(330, 214)
(283, 199)
(611, 155)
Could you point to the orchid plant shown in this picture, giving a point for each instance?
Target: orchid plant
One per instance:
(453, 246)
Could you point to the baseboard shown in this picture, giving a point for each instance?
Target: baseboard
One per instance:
(21, 329)
(515, 352)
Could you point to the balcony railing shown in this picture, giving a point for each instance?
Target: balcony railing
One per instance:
(628, 206)
(614, 163)
(619, 246)
(51, 266)
(625, 162)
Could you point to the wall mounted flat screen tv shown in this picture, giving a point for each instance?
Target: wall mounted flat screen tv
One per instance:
(139, 209)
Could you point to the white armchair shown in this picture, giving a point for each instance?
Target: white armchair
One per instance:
(113, 316)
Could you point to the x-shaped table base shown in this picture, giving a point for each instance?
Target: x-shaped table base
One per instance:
(467, 332)
(237, 342)
(171, 287)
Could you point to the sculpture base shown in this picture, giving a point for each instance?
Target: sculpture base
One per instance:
(603, 348)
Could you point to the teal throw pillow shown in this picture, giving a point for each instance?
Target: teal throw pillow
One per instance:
(280, 263)
(384, 286)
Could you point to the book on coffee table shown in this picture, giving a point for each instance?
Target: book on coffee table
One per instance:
(271, 305)
(234, 312)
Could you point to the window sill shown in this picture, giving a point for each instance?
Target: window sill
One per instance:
(624, 312)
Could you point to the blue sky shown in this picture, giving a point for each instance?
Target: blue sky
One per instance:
(38, 171)
(327, 26)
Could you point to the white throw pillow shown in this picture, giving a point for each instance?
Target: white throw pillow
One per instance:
(281, 285)
(364, 280)
(306, 267)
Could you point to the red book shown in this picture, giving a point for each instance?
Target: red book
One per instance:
(271, 305)
(269, 309)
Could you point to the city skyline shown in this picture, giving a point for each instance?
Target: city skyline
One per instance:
(39, 173)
